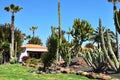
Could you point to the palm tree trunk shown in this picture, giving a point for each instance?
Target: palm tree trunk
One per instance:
(33, 33)
(12, 36)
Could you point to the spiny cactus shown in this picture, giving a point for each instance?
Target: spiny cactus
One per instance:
(109, 53)
(100, 60)
(96, 60)
(117, 20)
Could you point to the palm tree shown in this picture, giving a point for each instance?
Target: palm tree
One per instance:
(33, 28)
(5, 38)
(13, 9)
(35, 40)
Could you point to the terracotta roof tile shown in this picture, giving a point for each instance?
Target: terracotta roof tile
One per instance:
(32, 46)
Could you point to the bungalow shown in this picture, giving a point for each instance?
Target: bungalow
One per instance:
(32, 50)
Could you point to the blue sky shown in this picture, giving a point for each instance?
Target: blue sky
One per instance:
(44, 14)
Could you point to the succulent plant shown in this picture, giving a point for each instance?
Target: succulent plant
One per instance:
(96, 59)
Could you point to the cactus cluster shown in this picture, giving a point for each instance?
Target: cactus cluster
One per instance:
(96, 59)
(99, 59)
(109, 53)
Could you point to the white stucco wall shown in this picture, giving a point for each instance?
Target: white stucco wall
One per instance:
(23, 54)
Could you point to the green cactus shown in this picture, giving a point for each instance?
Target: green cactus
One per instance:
(101, 60)
(117, 20)
(109, 53)
(96, 60)
(117, 25)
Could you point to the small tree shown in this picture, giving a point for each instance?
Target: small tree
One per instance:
(66, 52)
(35, 40)
(5, 50)
(48, 58)
(5, 36)
(81, 32)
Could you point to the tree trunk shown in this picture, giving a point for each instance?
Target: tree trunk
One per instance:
(12, 35)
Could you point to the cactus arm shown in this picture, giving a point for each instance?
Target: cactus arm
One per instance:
(111, 51)
(116, 20)
(104, 48)
(87, 57)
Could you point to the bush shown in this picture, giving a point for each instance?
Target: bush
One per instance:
(31, 61)
(0, 58)
(47, 59)
(13, 60)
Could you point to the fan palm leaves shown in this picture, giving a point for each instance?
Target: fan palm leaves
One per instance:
(33, 28)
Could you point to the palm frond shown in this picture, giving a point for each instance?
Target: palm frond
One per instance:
(17, 8)
(7, 9)
(12, 6)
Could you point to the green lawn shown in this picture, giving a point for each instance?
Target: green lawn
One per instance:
(18, 72)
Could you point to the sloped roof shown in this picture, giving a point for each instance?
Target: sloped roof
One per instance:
(34, 47)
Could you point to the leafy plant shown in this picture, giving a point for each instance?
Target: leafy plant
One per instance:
(65, 52)
(33, 61)
(0, 58)
(13, 60)
(47, 60)
(80, 32)
(35, 40)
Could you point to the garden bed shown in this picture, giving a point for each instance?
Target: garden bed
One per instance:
(77, 66)
(18, 72)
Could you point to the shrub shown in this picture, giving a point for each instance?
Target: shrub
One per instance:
(47, 59)
(31, 61)
(13, 60)
(0, 58)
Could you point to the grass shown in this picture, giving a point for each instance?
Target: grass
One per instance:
(18, 72)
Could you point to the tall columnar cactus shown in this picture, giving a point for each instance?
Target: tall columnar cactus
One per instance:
(117, 20)
(99, 60)
(109, 53)
(58, 57)
(117, 25)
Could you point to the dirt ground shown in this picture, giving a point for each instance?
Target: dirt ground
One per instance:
(83, 66)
